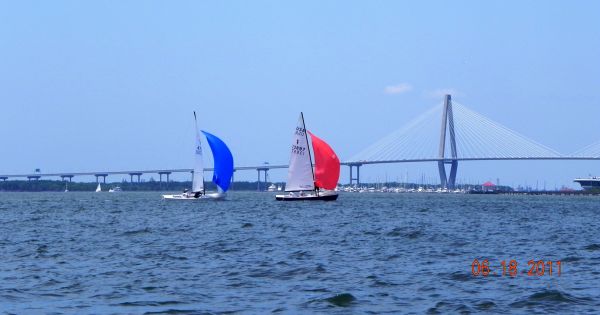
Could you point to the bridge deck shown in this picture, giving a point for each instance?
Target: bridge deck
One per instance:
(280, 166)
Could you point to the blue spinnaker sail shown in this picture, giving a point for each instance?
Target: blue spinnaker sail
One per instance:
(223, 161)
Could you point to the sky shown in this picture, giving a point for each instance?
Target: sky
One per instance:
(111, 85)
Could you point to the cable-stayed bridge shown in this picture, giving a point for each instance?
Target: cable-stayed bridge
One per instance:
(445, 134)
(460, 135)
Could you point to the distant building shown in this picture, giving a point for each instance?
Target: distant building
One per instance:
(488, 186)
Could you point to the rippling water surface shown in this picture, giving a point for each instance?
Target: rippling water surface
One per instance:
(81, 253)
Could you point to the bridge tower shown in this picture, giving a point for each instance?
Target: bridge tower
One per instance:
(262, 169)
(448, 124)
(357, 178)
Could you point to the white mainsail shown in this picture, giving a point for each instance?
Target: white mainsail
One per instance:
(300, 172)
(198, 177)
(98, 189)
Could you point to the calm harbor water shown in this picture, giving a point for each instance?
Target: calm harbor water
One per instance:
(132, 253)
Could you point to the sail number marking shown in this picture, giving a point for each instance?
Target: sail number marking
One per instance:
(300, 131)
(296, 149)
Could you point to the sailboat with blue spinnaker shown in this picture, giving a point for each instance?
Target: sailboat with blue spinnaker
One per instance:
(222, 174)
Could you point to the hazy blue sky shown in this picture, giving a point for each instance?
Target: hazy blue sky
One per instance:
(96, 85)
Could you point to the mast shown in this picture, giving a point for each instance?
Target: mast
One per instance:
(308, 147)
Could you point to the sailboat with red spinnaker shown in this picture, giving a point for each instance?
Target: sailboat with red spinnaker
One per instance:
(304, 182)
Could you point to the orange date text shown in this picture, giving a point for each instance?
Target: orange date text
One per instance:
(535, 268)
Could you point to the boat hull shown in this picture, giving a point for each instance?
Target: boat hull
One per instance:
(215, 196)
(329, 196)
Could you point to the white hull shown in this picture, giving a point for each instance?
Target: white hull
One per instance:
(190, 197)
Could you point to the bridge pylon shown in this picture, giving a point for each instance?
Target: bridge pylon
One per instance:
(357, 178)
(447, 125)
(258, 182)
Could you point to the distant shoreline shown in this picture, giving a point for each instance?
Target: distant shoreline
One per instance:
(152, 185)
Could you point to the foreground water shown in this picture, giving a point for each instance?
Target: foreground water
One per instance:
(97, 253)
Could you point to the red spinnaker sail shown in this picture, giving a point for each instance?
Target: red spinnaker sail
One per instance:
(327, 164)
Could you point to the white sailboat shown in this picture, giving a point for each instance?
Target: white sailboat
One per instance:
(99, 188)
(223, 170)
(303, 182)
